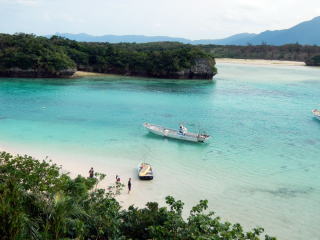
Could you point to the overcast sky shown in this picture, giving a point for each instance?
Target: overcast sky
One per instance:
(194, 19)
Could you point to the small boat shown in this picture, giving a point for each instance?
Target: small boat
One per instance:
(316, 113)
(145, 171)
(171, 133)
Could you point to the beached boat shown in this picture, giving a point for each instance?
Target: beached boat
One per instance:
(316, 113)
(145, 171)
(171, 133)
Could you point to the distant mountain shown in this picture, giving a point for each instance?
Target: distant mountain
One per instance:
(226, 41)
(306, 33)
(83, 37)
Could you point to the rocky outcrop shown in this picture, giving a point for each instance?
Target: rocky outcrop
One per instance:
(203, 68)
(313, 61)
(35, 73)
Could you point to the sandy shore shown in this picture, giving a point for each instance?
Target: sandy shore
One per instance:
(77, 163)
(78, 74)
(259, 62)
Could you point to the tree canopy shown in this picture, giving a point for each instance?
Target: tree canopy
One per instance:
(289, 52)
(160, 59)
(30, 52)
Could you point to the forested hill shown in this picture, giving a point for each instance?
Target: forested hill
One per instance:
(24, 55)
(289, 52)
(305, 33)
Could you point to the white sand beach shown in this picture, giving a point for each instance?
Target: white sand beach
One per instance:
(76, 164)
(79, 74)
(259, 62)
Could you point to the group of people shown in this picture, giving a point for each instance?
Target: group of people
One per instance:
(129, 182)
(118, 181)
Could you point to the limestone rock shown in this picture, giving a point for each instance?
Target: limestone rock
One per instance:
(34, 73)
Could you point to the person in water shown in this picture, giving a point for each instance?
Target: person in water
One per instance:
(129, 185)
(91, 172)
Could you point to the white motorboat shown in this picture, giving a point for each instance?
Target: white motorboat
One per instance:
(171, 133)
(316, 113)
(145, 171)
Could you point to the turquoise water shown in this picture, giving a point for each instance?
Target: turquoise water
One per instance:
(261, 167)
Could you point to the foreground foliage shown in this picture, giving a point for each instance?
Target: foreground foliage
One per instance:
(37, 201)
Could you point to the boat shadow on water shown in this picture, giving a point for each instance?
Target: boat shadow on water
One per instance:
(316, 121)
(177, 141)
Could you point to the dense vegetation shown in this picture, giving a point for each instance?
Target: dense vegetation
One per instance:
(149, 59)
(37, 201)
(164, 59)
(32, 56)
(290, 52)
(29, 52)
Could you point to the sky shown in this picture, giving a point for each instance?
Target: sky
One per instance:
(192, 19)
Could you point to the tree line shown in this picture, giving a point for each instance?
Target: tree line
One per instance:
(38, 201)
(288, 52)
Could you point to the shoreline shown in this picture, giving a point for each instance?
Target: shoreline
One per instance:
(75, 164)
(80, 74)
(259, 62)
(250, 172)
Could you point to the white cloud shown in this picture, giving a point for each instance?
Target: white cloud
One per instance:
(182, 18)
(25, 2)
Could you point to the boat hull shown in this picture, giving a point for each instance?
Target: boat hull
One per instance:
(146, 178)
(316, 113)
(145, 171)
(171, 133)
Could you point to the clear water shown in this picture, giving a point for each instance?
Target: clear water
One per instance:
(261, 167)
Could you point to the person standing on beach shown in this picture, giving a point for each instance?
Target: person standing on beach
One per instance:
(91, 172)
(129, 185)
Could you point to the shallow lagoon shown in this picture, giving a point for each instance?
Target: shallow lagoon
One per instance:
(261, 167)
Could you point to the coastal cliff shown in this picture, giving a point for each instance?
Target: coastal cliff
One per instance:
(36, 73)
(201, 68)
(24, 55)
(313, 61)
